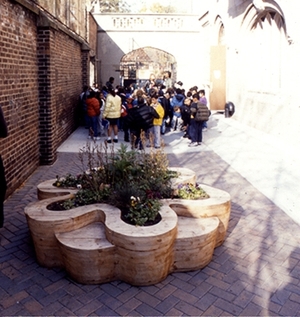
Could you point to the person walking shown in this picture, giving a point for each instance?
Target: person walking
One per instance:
(112, 113)
(199, 114)
(3, 185)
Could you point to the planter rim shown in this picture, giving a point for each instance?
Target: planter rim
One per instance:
(111, 215)
(216, 196)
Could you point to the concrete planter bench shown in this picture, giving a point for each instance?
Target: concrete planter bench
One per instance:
(95, 246)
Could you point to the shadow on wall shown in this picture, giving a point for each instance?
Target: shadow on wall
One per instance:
(108, 61)
(137, 64)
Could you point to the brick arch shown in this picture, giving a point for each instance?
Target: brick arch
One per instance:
(140, 63)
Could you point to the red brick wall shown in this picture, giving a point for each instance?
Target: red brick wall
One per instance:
(19, 94)
(93, 27)
(60, 83)
(42, 71)
(67, 85)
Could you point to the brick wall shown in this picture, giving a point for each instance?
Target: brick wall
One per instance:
(92, 39)
(43, 67)
(93, 28)
(19, 94)
(67, 85)
(60, 83)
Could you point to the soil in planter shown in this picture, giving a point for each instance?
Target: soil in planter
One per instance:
(56, 206)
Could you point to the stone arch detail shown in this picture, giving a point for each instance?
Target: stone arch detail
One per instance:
(264, 38)
(254, 15)
(219, 31)
(140, 63)
(218, 65)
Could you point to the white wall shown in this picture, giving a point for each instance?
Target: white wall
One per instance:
(262, 67)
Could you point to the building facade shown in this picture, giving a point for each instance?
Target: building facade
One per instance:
(253, 54)
(45, 55)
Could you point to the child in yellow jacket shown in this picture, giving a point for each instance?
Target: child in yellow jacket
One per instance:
(157, 122)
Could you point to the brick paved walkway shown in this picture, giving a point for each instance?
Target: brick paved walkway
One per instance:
(254, 273)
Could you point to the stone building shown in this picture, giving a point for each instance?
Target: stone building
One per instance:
(46, 48)
(252, 59)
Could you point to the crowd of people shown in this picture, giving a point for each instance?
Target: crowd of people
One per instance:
(153, 109)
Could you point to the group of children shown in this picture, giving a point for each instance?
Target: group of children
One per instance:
(153, 109)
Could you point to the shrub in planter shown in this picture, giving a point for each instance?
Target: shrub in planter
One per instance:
(130, 180)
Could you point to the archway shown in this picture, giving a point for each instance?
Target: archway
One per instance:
(137, 65)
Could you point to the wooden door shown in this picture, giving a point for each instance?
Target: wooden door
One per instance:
(218, 77)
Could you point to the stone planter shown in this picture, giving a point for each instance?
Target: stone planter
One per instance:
(217, 205)
(95, 246)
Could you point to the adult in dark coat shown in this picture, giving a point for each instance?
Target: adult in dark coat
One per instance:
(140, 118)
(3, 186)
(186, 114)
(199, 114)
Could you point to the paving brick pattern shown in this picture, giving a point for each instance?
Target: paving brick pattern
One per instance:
(254, 273)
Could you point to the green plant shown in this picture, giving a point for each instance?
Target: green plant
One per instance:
(67, 181)
(134, 181)
(115, 177)
(143, 210)
(191, 191)
(88, 196)
(131, 180)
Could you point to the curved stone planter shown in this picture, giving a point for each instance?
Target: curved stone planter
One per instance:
(47, 190)
(95, 246)
(217, 205)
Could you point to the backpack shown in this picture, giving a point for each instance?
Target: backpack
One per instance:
(202, 113)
